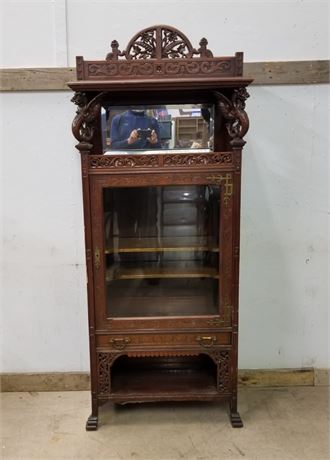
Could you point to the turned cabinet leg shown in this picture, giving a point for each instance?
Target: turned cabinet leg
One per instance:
(235, 418)
(92, 421)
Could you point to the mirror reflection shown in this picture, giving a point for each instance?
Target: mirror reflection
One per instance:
(162, 127)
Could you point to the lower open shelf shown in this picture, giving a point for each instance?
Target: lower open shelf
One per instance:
(164, 379)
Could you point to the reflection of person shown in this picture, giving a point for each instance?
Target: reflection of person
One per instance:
(134, 129)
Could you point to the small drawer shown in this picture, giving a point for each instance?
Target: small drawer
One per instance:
(133, 341)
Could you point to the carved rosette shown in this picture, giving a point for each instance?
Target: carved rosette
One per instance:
(84, 123)
(237, 121)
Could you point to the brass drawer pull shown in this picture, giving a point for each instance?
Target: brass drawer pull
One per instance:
(206, 341)
(120, 343)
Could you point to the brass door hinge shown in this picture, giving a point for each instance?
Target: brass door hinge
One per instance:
(97, 258)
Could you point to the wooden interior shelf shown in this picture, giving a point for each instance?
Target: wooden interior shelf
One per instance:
(176, 244)
(163, 386)
(152, 270)
(162, 297)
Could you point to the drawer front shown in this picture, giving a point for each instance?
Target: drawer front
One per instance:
(134, 341)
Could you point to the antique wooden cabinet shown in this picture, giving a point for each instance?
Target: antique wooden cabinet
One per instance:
(160, 129)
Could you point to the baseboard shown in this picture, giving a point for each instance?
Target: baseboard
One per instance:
(49, 381)
(80, 381)
(276, 377)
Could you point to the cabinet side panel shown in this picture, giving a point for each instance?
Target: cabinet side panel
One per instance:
(90, 280)
(235, 254)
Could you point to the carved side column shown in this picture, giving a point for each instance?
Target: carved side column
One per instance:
(232, 110)
(84, 124)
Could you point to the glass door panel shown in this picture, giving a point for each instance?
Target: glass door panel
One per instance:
(162, 250)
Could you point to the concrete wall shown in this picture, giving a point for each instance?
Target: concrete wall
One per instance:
(284, 318)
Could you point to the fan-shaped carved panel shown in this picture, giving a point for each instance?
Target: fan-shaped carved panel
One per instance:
(159, 42)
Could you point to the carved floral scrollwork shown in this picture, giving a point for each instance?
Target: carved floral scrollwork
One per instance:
(169, 161)
(237, 121)
(83, 125)
(144, 47)
(174, 45)
(138, 161)
(195, 159)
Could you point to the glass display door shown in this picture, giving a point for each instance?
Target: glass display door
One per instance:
(161, 250)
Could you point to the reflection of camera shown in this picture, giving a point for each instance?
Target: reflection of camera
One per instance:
(144, 133)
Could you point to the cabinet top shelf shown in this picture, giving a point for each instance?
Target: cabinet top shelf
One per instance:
(177, 244)
(191, 270)
(160, 84)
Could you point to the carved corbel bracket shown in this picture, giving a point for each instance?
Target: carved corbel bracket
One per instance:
(84, 123)
(237, 121)
(222, 360)
(104, 363)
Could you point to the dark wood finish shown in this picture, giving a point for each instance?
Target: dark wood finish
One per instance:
(181, 342)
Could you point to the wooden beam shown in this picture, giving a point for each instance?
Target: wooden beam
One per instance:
(46, 79)
(78, 381)
(288, 72)
(264, 73)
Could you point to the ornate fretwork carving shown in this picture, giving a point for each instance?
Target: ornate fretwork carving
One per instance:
(104, 362)
(175, 45)
(159, 42)
(237, 121)
(198, 159)
(83, 125)
(227, 181)
(160, 52)
(143, 46)
(222, 360)
(121, 161)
